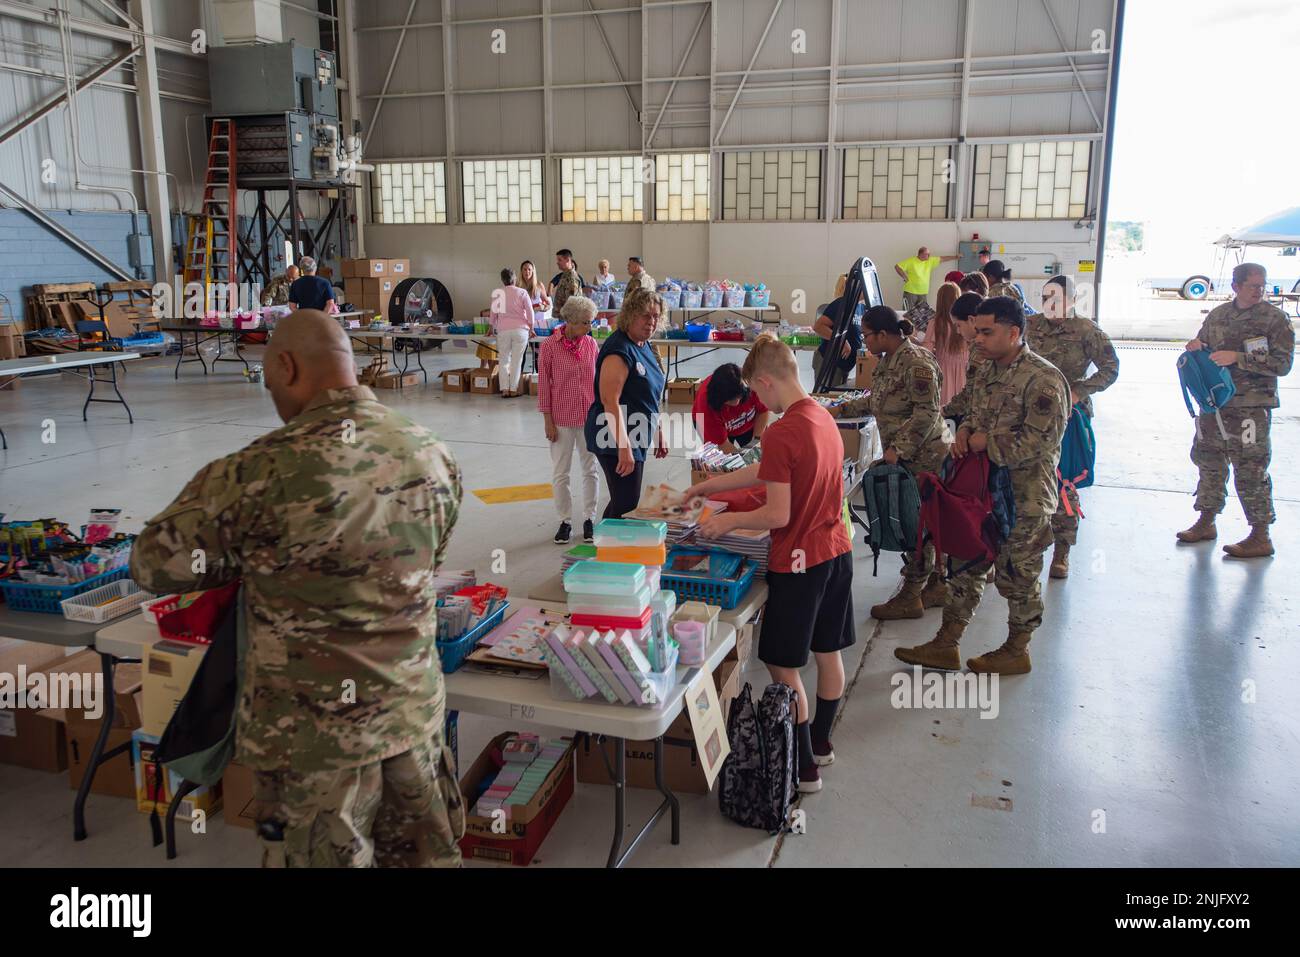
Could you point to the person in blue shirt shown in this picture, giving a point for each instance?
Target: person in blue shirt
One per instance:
(827, 317)
(623, 421)
(310, 291)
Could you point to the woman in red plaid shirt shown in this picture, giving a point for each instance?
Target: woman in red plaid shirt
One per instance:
(566, 369)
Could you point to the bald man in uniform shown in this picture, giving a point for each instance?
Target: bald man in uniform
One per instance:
(336, 523)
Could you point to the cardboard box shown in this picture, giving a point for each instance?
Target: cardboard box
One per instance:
(116, 776)
(399, 269)
(155, 792)
(364, 268)
(28, 738)
(168, 668)
(744, 645)
(237, 796)
(376, 304)
(533, 384)
(855, 447)
(862, 372)
(373, 290)
(456, 380)
(682, 769)
(484, 382)
(527, 825)
(12, 345)
(682, 391)
(393, 380)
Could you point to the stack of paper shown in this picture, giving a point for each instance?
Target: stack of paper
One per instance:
(579, 553)
(754, 544)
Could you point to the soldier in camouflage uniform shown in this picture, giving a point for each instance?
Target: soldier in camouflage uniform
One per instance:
(336, 523)
(904, 401)
(1072, 344)
(999, 277)
(1019, 424)
(1255, 341)
(277, 292)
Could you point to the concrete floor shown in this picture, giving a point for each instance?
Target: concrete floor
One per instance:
(1134, 708)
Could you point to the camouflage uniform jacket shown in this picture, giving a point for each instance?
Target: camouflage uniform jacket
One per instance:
(904, 401)
(642, 279)
(1006, 289)
(1264, 337)
(973, 393)
(277, 293)
(1024, 416)
(337, 542)
(1072, 345)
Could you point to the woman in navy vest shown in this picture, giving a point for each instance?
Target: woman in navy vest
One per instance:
(623, 422)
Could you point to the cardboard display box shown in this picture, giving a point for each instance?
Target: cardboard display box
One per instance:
(533, 384)
(115, 777)
(399, 269)
(484, 382)
(851, 436)
(527, 825)
(682, 391)
(168, 668)
(27, 738)
(866, 365)
(744, 645)
(364, 268)
(237, 796)
(456, 380)
(393, 380)
(151, 793)
(373, 290)
(682, 769)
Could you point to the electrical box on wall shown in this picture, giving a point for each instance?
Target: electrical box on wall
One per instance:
(273, 78)
(968, 254)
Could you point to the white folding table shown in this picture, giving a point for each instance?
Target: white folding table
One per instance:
(71, 360)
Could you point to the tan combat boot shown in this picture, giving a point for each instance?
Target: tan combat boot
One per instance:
(1255, 545)
(941, 651)
(935, 593)
(905, 604)
(1060, 560)
(1011, 659)
(1202, 531)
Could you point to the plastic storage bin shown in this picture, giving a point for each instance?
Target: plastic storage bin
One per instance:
(461, 329)
(692, 297)
(654, 686)
(104, 604)
(600, 296)
(672, 295)
(724, 594)
(712, 297)
(633, 554)
(758, 298)
(47, 599)
(698, 331)
(734, 298)
(664, 604)
(621, 532)
(612, 604)
(608, 622)
(675, 334)
(692, 637)
(604, 578)
(452, 654)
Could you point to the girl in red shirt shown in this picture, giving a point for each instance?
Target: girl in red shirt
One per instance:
(727, 412)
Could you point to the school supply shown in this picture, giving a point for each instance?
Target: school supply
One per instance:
(893, 510)
(967, 510)
(756, 786)
(1206, 382)
(1078, 457)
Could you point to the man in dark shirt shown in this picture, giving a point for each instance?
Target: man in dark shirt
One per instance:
(564, 262)
(310, 291)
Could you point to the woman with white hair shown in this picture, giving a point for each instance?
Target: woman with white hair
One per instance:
(566, 374)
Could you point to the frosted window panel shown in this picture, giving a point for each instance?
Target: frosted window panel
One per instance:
(1078, 187)
(602, 210)
(701, 207)
(675, 179)
(627, 209)
(480, 209)
(1081, 155)
(799, 182)
(782, 212)
(1063, 168)
(879, 190)
(1013, 183)
(895, 207)
(1047, 154)
(1076, 210)
(579, 209)
(925, 169)
(940, 188)
(1028, 199)
(537, 200)
(910, 160)
(981, 188)
(602, 178)
(981, 161)
(1032, 149)
(981, 212)
(769, 207)
(996, 203)
(1015, 158)
(675, 205)
(922, 205)
(688, 194)
(729, 164)
(783, 162)
(1061, 203)
(729, 194)
(1045, 187)
(909, 190)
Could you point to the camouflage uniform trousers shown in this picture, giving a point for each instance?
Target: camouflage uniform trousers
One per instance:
(1249, 461)
(1018, 565)
(406, 811)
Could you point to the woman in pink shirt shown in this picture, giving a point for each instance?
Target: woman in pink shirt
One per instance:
(943, 339)
(566, 367)
(512, 315)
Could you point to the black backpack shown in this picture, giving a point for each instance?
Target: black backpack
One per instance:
(757, 783)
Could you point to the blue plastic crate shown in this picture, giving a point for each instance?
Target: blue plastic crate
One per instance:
(726, 595)
(453, 653)
(45, 599)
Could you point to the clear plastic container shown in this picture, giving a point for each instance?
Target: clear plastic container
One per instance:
(655, 686)
(624, 606)
(624, 532)
(692, 636)
(664, 604)
(605, 578)
(654, 555)
(652, 575)
(606, 622)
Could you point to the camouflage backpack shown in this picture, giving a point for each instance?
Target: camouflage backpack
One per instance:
(566, 287)
(757, 784)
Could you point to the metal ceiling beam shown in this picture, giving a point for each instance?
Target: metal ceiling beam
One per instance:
(1069, 59)
(776, 8)
(618, 70)
(388, 78)
(102, 84)
(52, 103)
(131, 22)
(105, 31)
(680, 66)
(43, 218)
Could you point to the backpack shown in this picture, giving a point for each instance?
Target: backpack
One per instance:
(199, 740)
(566, 287)
(1208, 383)
(893, 510)
(757, 783)
(1078, 456)
(967, 510)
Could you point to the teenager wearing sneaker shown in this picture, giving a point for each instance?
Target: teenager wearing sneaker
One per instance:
(1256, 343)
(1019, 424)
(1073, 344)
(810, 567)
(566, 372)
(904, 401)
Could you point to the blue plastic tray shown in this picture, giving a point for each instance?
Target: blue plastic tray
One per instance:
(45, 599)
(726, 595)
(452, 654)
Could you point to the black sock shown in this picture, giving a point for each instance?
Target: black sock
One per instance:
(805, 745)
(823, 719)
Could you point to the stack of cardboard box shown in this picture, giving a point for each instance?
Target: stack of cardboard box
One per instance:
(370, 282)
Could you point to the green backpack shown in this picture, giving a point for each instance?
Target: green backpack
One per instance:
(893, 510)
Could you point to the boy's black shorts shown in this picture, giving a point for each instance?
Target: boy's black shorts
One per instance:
(807, 611)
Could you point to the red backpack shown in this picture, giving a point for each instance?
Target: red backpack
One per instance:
(959, 513)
